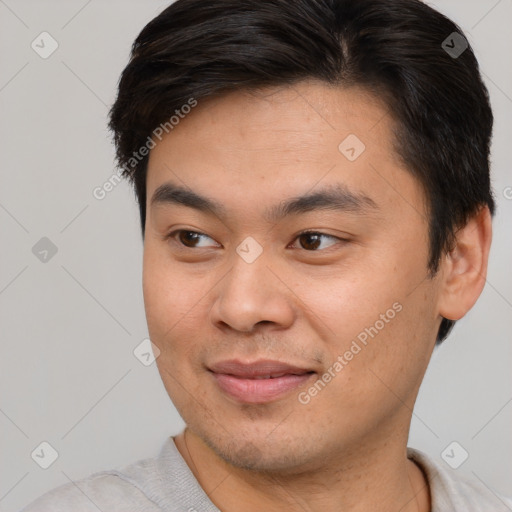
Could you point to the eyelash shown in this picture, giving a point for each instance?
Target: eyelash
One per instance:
(172, 235)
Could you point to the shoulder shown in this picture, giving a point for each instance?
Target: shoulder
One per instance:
(452, 491)
(100, 491)
(153, 484)
(133, 487)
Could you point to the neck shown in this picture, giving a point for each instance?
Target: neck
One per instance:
(371, 478)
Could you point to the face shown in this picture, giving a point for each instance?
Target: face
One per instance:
(277, 247)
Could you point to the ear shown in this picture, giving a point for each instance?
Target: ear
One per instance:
(464, 268)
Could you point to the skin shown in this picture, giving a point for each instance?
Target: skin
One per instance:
(346, 448)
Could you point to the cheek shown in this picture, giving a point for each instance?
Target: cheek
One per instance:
(172, 298)
(173, 304)
(368, 381)
(377, 331)
(348, 303)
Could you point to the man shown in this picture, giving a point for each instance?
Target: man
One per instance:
(315, 203)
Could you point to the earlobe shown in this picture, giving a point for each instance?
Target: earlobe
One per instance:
(464, 268)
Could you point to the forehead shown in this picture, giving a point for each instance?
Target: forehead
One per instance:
(284, 142)
(298, 114)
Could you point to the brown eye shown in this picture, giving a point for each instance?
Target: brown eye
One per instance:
(191, 239)
(188, 238)
(311, 241)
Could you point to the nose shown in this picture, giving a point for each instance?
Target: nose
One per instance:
(252, 295)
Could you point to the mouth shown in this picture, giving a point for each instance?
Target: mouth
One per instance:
(260, 381)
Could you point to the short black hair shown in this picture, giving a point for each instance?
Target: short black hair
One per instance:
(403, 51)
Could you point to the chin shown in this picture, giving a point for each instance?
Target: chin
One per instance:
(258, 452)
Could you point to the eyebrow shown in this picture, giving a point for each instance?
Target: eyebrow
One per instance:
(332, 198)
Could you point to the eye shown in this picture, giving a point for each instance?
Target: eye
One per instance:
(312, 240)
(190, 239)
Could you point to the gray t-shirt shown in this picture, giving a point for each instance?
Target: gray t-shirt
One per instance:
(166, 484)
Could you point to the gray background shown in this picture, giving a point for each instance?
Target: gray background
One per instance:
(68, 375)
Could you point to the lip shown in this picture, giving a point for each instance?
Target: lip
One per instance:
(250, 382)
